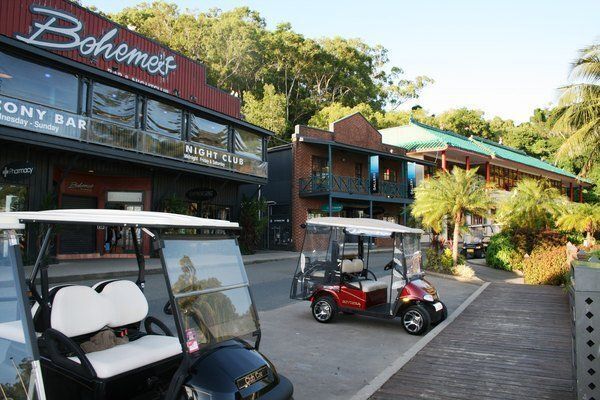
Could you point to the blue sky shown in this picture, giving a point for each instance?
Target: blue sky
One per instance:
(504, 57)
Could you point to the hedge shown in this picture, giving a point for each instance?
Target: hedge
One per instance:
(547, 265)
(502, 253)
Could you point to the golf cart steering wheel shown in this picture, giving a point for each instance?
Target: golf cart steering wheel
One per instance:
(389, 266)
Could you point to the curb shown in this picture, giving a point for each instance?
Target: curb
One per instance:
(474, 281)
(367, 391)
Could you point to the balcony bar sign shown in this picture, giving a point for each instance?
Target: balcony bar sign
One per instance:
(374, 174)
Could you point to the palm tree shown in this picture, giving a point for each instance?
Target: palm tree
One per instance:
(582, 217)
(451, 195)
(578, 111)
(532, 206)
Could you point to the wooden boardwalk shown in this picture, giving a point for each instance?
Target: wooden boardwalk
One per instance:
(512, 342)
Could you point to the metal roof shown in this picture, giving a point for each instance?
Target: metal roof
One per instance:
(363, 226)
(118, 218)
(418, 137)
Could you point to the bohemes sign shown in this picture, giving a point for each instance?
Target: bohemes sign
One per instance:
(69, 28)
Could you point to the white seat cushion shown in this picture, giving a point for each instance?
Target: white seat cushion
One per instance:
(351, 267)
(368, 286)
(136, 354)
(128, 303)
(79, 310)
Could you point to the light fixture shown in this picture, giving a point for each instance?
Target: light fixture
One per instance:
(91, 171)
(5, 76)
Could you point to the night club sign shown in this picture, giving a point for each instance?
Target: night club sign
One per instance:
(69, 29)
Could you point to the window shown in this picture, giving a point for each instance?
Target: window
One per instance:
(37, 83)
(163, 118)
(13, 197)
(358, 171)
(208, 132)
(248, 144)
(319, 167)
(114, 104)
(389, 175)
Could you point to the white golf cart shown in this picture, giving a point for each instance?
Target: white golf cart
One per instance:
(81, 342)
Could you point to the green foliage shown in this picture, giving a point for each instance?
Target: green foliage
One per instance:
(253, 222)
(441, 261)
(531, 207)
(267, 112)
(547, 265)
(581, 217)
(502, 253)
(578, 111)
(466, 122)
(336, 111)
(175, 205)
(450, 196)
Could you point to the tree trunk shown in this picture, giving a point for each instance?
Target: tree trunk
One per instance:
(457, 221)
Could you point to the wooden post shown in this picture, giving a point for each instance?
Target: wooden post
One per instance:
(444, 162)
(487, 172)
(581, 193)
(571, 191)
(468, 162)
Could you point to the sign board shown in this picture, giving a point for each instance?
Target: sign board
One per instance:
(21, 114)
(374, 174)
(17, 171)
(72, 31)
(201, 194)
(412, 177)
(335, 207)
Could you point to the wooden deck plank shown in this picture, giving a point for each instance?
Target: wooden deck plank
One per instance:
(512, 342)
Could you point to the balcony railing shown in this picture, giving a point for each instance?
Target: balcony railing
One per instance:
(319, 184)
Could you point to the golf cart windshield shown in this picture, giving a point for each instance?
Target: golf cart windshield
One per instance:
(19, 370)
(210, 288)
(410, 245)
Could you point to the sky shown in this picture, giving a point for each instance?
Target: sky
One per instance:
(505, 57)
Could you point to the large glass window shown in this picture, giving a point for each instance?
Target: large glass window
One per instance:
(39, 84)
(248, 144)
(114, 104)
(208, 132)
(163, 118)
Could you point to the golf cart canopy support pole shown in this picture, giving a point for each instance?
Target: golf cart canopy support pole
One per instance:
(141, 262)
(41, 299)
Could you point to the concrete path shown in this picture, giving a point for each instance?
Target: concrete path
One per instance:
(512, 342)
(487, 274)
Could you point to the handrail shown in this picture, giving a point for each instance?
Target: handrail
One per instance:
(346, 184)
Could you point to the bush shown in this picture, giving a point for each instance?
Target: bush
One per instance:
(547, 265)
(464, 271)
(503, 253)
(441, 262)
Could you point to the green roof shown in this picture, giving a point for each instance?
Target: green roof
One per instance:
(418, 137)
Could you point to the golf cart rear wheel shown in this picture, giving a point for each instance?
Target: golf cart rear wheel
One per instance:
(324, 309)
(416, 320)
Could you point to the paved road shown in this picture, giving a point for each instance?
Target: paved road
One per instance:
(324, 361)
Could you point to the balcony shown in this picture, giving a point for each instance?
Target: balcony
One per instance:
(350, 187)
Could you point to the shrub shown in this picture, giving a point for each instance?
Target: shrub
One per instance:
(503, 253)
(441, 262)
(546, 266)
(464, 271)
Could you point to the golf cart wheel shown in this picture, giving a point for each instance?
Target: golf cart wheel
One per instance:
(444, 313)
(416, 320)
(324, 309)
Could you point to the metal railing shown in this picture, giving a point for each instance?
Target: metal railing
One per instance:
(318, 184)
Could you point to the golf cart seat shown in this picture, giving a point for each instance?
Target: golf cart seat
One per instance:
(80, 311)
(354, 268)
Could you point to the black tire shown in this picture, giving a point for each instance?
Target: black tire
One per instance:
(416, 319)
(324, 309)
(444, 313)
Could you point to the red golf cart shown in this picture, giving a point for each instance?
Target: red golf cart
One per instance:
(334, 273)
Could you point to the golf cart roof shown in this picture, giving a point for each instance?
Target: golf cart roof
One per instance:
(8, 222)
(364, 226)
(123, 218)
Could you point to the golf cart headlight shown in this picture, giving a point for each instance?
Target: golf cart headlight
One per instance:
(428, 297)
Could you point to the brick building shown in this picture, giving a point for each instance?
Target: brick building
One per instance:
(344, 171)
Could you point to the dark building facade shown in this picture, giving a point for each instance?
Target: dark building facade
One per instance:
(93, 115)
(345, 171)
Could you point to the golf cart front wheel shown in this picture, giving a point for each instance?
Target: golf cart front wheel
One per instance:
(324, 309)
(416, 319)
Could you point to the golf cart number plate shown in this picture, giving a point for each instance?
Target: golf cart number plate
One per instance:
(470, 250)
(438, 306)
(252, 378)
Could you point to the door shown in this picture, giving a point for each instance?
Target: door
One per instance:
(78, 239)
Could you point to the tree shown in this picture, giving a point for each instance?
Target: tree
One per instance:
(582, 217)
(578, 111)
(466, 122)
(451, 196)
(531, 207)
(253, 222)
(268, 112)
(335, 111)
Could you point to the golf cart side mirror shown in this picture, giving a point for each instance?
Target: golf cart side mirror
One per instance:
(303, 225)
